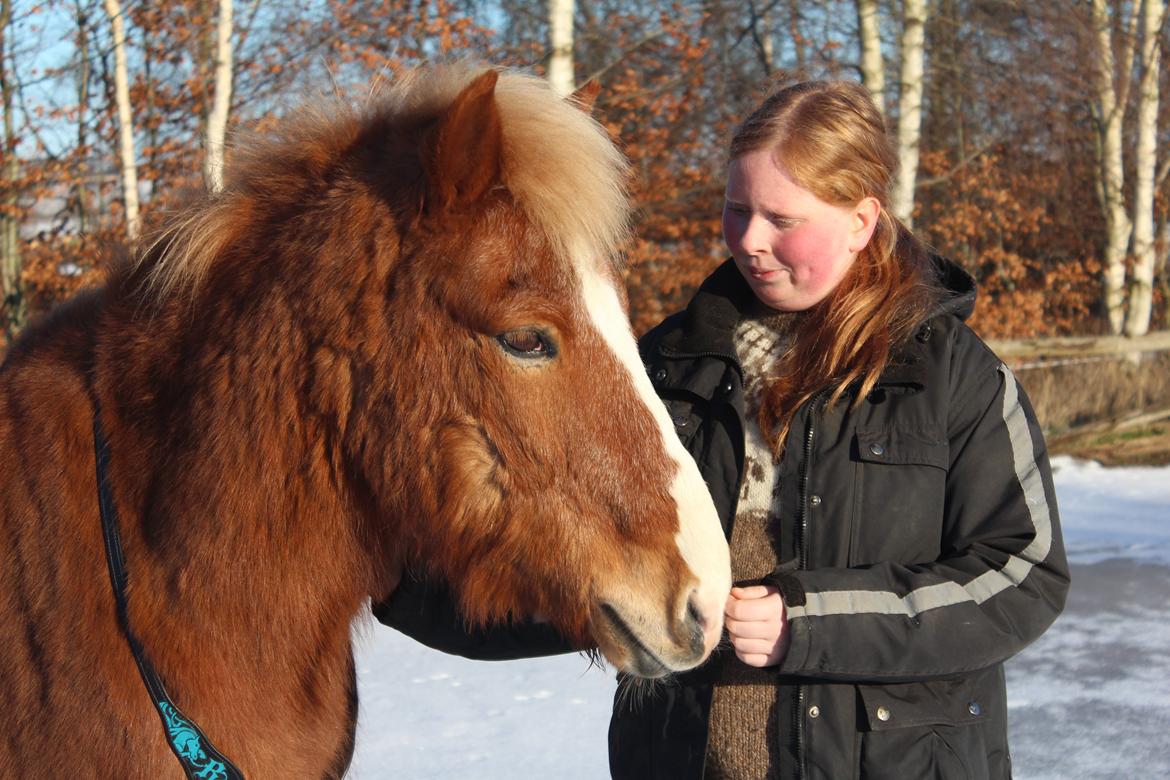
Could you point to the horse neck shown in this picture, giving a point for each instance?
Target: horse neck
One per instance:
(229, 477)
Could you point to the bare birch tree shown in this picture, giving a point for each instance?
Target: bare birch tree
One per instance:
(560, 62)
(1108, 112)
(1141, 289)
(81, 14)
(760, 27)
(217, 118)
(768, 42)
(10, 256)
(909, 107)
(128, 165)
(873, 72)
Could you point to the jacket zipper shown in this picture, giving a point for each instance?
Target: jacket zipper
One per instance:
(802, 558)
(734, 361)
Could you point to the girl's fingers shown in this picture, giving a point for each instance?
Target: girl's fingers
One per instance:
(758, 660)
(752, 646)
(755, 609)
(752, 592)
(753, 629)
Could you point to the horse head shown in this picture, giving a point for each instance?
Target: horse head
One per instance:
(531, 465)
(435, 284)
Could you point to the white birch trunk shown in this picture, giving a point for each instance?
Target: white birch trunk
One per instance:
(125, 121)
(1111, 185)
(11, 263)
(767, 39)
(217, 118)
(560, 62)
(1141, 289)
(909, 108)
(83, 74)
(873, 72)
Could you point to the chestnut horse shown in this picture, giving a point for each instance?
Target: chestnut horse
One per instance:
(397, 338)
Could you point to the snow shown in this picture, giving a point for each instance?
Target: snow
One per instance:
(1089, 699)
(1113, 512)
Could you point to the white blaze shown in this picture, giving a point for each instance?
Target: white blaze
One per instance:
(700, 536)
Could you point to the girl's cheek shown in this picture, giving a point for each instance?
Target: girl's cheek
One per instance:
(812, 253)
(801, 252)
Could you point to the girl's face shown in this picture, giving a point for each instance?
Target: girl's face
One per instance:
(792, 247)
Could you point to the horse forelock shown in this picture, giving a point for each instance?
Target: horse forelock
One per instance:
(564, 169)
(559, 164)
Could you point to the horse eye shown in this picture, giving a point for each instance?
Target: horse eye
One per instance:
(526, 343)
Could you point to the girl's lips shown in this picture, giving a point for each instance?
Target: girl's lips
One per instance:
(763, 273)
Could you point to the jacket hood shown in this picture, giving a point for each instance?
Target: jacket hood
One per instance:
(958, 286)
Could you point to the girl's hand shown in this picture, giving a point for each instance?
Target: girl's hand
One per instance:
(757, 625)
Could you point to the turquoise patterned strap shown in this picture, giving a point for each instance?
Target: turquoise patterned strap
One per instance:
(187, 743)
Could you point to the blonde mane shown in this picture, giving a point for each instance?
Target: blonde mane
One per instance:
(558, 163)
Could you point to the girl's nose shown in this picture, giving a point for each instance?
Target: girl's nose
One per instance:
(755, 238)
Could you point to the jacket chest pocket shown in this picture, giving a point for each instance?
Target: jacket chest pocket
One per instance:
(899, 498)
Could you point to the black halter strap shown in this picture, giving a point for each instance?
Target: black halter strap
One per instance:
(198, 757)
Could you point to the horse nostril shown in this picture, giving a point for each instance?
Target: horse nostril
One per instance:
(696, 625)
(694, 614)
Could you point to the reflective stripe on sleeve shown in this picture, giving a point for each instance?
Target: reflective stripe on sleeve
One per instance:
(986, 585)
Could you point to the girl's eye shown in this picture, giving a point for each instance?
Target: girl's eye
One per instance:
(526, 343)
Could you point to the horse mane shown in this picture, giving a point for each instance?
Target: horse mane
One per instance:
(558, 163)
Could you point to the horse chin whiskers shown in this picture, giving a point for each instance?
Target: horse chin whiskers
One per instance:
(596, 659)
(634, 691)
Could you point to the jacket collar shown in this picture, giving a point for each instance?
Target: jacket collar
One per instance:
(708, 325)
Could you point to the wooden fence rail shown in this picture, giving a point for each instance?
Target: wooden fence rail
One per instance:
(1041, 353)
(1079, 346)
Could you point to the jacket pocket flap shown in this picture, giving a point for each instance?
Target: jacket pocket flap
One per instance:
(902, 447)
(701, 379)
(937, 702)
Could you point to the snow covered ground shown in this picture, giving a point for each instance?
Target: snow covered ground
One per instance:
(1090, 699)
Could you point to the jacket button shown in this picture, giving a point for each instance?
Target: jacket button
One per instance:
(814, 500)
(877, 449)
(681, 422)
(883, 714)
(727, 387)
(660, 376)
(814, 711)
(975, 709)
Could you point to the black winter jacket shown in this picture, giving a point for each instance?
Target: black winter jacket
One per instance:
(920, 543)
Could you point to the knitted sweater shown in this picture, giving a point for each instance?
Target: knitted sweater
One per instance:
(743, 728)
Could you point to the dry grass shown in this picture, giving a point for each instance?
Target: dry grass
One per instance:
(1149, 446)
(1070, 396)
(1079, 405)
